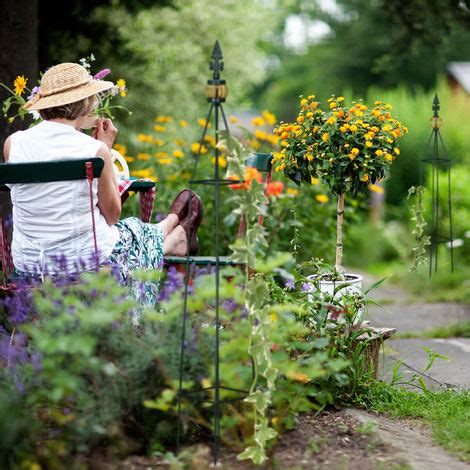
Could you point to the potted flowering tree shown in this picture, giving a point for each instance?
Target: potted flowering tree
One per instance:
(347, 147)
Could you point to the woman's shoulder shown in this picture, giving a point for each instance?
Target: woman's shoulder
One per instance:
(89, 142)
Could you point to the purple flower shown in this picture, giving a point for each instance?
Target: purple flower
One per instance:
(19, 306)
(229, 305)
(307, 287)
(36, 361)
(19, 385)
(159, 217)
(8, 221)
(290, 284)
(244, 313)
(34, 92)
(13, 349)
(173, 282)
(101, 74)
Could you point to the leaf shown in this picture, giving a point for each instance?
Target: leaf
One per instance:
(264, 433)
(272, 262)
(423, 384)
(256, 454)
(376, 285)
(396, 376)
(259, 399)
(271, 374)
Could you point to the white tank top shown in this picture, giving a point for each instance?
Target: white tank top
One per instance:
(53, 220)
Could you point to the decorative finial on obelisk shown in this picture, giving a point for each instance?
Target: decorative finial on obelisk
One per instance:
(217, 64)
(216, 88)
(436, 106)
(436, 121)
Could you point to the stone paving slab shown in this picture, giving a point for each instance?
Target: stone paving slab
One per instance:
(416, 318)
(453, 373)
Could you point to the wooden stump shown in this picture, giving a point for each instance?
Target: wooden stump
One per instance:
(374, 337)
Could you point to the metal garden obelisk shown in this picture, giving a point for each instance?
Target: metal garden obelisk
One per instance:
(216, 91)
(440, 167)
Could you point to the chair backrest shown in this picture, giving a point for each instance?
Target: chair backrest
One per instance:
(49, 172)
(44, 172)
(260, 161)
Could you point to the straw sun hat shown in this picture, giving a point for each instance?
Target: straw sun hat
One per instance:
(64, 84)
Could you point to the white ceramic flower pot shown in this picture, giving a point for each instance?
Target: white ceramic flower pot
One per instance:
(351, 285)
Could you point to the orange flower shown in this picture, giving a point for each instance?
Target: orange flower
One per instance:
(274, 188)
(237, 185)
(298, 376)
(250, 175)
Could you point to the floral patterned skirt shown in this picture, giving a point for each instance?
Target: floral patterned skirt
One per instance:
(139, 248)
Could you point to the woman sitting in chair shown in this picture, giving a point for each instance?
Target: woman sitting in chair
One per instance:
(53, 219)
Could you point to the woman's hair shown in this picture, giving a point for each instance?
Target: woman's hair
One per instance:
(70, 111)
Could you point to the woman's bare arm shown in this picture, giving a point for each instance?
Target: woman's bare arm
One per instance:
(6, 149)
(109, 201)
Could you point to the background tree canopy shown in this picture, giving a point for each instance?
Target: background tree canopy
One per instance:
(162, 47)
(370, 42)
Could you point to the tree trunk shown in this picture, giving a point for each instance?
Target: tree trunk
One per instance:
(18, 56)
(339, 233)
(18, 51)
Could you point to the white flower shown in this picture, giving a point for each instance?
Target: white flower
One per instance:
(455, 243)
(35, 114)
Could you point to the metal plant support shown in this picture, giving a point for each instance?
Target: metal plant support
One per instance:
(216, 92)
(438, 163)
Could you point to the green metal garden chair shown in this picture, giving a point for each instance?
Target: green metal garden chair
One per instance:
(43, 172)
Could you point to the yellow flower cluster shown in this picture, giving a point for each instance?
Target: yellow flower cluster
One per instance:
(144, 138)
(197, 148)
(365, 136)
(121, 84)
(162, 119)
(202, 122)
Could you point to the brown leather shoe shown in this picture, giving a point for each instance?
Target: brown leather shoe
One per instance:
(180, 205)
(191, 223)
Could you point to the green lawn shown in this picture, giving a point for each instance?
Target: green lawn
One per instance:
(447, 413)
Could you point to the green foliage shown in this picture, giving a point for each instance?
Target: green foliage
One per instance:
(414, 108)
(370, 43)
(384, 242)
(460, 198)
(167, 52)
(246, 250)
(85, 388)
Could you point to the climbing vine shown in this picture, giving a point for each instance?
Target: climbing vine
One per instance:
(251, 202)
(422, 241)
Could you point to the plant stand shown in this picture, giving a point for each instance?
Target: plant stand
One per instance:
(437, 162)
(216, 91)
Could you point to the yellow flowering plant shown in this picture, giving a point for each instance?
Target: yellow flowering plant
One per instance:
(349, 148)
(260, 138)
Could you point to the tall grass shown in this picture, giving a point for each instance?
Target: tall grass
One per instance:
(414, 110)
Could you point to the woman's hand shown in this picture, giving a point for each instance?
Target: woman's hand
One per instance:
(105, 131)
(109, 201)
